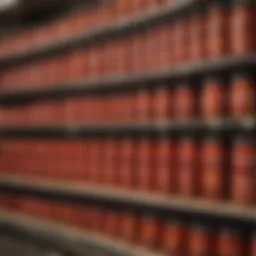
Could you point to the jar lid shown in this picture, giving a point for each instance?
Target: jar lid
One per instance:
(242, 76)
(228, 231)
(245, 139)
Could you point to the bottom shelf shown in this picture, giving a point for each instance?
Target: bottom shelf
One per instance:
(68, 240)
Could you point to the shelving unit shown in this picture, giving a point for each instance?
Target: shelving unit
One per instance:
(111, 30)
(215, 212)
(65, 239)
(152, 78)
(246, 126)
(152, 207)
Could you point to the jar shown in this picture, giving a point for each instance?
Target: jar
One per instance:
(138, 6)
(129, 227)
(150, 235)
(253, 245)
(110, 162)
(174, 238)
(213, 99)
(112, 223)
(138, 52)
(184, 103)
(243, 96)
(162, 110)
(94, 158)
(196, 32)
(229, 243)
(180, 44)
(145, 172)
(143, 105)
(123, 9)
(199, 241)
(243, 171)
(213, 169)
(98, 219)
(217, 42)
(243, 36)
(152, 47)
(127, 163)
(187, 167)
(164, 155)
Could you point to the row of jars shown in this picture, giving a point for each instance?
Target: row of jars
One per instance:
(77, 22)
(167, 236)
(213, 100)
(185, 40)
(208, 168)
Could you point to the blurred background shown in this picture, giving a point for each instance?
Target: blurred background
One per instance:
(127, 128)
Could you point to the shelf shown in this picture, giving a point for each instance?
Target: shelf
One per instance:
(69, 240)
(155, 129)
(185, 208)
(117, 28)
(124, 82)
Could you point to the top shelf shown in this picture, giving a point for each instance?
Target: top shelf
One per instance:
(126, 26)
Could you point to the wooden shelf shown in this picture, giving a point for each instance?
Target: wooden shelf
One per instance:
(185, 208)
(68, 240)
(117, 28)
(126, 82)
(155, 129)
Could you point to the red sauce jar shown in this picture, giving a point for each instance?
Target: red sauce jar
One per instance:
(151, 45)
(162, 99)
(110, 165)
(145, 176)
(253, 245)
(230, 243)
(184, 103)
(165, 166)
(243, 36)
(150, 235)
(174, 236)
(213, 99)
(199, 241)
(129, 227)
(217, 30)
(243, 163)
(180, 44)
(138, 52)
(196, 37)
(98, 218)
(127, 163)
(112, 223)
(88, 222)
(95, 154)
(143, 105)
(243, 97)
(212, 158)
(187, 167)
(123, 8)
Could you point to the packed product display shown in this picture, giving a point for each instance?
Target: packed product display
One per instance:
(171, 236)
(163, 93)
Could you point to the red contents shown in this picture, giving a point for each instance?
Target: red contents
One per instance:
(229, 243)
(243, 36)
(213, 99)
(184, 102)
(187, 167)
(164, 166)
(243, 97)
(243, 171)
(174, 239)
(213, 170)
